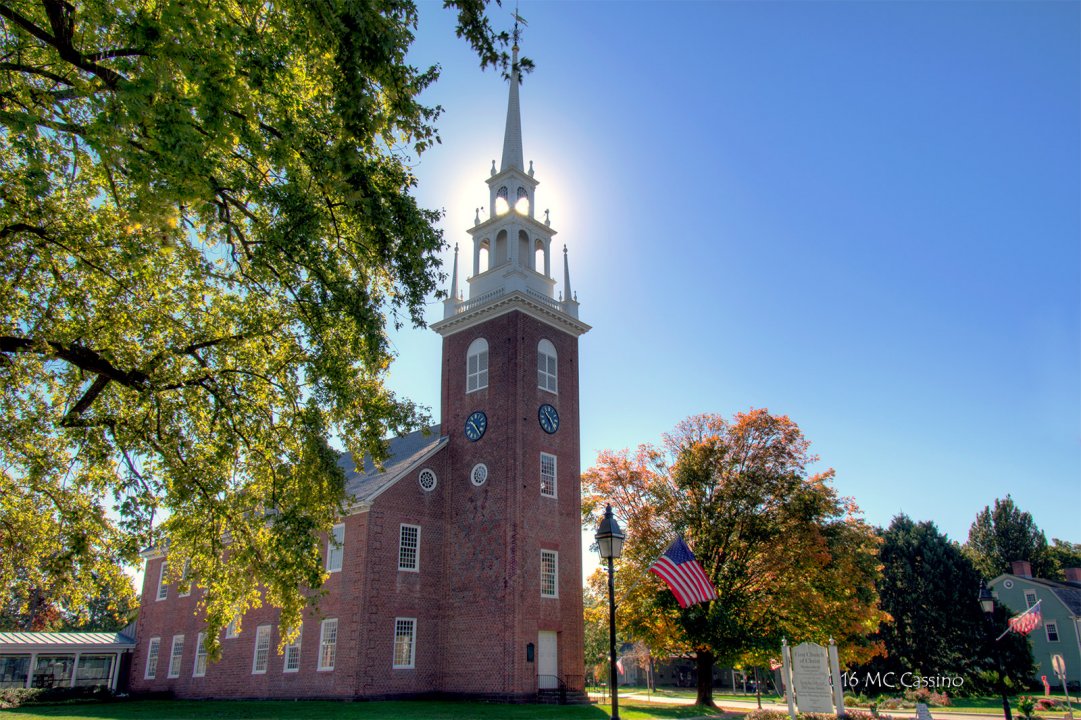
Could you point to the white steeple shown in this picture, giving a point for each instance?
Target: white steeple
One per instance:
(512, 249)
(512, 136)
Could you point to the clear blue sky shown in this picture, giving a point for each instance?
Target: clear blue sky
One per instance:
(864, 215)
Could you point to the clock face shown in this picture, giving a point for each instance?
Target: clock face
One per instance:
(549, 418)
(475, 425)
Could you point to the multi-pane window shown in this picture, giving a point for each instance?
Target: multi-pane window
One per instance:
(547, 373)
(476, 365)
(262, 650)
(176, 656)
(1030, 598)
(231, 630)
(335, 548)
(152, 651)
(292, 654)
(405, 635)
(328, 643)
(200, 656)
(549, 573)
(409, 548)
(185, 579)
(163, 588)
(547, 475)
(1051, 627)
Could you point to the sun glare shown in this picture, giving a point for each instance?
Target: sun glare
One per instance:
(501, 206)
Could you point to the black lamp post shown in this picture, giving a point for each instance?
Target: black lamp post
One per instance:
(987, 603)
(610, 541)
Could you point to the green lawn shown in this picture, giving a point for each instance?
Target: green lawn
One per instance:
(322, 710)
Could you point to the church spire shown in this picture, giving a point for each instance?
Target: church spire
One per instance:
(512, 137)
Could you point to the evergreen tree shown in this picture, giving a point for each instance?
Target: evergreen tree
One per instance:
(1004, 534)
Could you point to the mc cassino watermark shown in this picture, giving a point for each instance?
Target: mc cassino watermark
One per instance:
(891, 680)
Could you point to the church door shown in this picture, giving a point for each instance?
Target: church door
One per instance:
(547, 660)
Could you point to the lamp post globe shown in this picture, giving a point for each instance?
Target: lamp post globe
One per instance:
(610, 542)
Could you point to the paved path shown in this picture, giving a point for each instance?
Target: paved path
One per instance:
(751, 704)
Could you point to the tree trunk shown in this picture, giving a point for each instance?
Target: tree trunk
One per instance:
(704, 663)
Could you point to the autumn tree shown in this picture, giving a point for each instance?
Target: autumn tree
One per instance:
(1005, 533)
(206, 224)
(788, 556)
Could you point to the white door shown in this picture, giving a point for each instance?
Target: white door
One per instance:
(547, 660)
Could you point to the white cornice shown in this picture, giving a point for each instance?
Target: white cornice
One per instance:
(511, 215)
(504, 304)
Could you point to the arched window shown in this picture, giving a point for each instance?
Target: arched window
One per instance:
(521, 203)
(547, 374)
(476, 365)
(502, 204)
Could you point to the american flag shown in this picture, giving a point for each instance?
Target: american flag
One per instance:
(683, 575)
(1027, 621)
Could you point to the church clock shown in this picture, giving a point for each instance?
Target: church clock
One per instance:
(549, 418)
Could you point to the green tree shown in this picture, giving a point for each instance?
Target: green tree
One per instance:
(788, 556)
(930, 589)
(1066, 554)
(1003, 534)
(206, 220)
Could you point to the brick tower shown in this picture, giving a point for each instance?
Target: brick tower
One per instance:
(512, 549)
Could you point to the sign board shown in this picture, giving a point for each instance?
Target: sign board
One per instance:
(811, 678)
(1059, 664)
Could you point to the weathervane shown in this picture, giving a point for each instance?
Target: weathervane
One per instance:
(517, 19)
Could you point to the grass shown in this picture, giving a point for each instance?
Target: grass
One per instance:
(325, 710)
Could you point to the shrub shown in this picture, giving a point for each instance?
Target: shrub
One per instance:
(1026, 705)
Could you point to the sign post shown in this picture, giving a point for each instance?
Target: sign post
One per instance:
(1058, 663)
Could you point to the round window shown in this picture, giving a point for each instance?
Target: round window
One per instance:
(1008, 584)
(427, 480)
(479, 475)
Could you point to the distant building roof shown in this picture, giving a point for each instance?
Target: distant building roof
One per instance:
(405, 452)
(71, 641)
(1068, 593)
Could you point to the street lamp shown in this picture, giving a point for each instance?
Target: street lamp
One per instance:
(987, 604)
(610, 541)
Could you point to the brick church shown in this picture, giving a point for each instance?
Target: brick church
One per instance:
(456, 570)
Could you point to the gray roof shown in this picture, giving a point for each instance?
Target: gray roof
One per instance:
(1068, 593)
(403, 453)
(63, 640)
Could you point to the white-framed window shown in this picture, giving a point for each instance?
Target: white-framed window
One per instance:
(200, 656)
(152, 650)
(176, 655)
(262, 650)
(335, 548)
(476, 365)
(232, 629)
(328, 643)
(547, 370)
(185, 579)
(1051, 628)
(292, 654)
(409, 548)
(547, 475)
(405, 636)
(427, 480)
(479, 475)
(549, 573)
(163, 587)
(1030, 598)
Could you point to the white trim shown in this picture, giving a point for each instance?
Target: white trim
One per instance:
(508, 303)
(323, 643)
(477, 349)
(546, 349)
(262, 645)
(163, 587)
(554, 554)
(200, 652)
(153, 650)
(416, 550)
(176, 657)
(185, 575)
(336, 548)
(411, 623)
(232, 630)
(555, 475)
(420, 479)
(1047, 625)
(293, 646)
